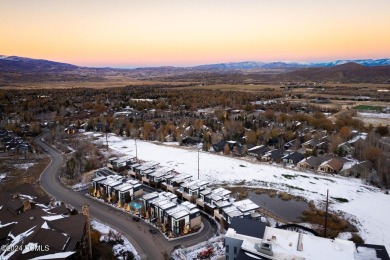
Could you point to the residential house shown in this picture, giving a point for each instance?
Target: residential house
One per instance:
(143, 169)
(312, 162)
(243, 209)
(189, 190)
(120, 164)
(333, 165)
(38, 227)
(157, 177)
(274, 155)
(346, 149)
(173, 184)
(293, 158)
(254, 240)
(244, 227)
(128, 191)
(219, 147)
(115, 187)
(359, 169)
(176, 218)
(191, 140)
(208, 199)
(310, 145)
(258, 151)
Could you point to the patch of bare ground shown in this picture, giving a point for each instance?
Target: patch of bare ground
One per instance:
(335, 224)
(19, 171)
(313, 216)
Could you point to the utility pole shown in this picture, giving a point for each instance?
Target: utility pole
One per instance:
(326, 213)
(85, 211)
(136, 151)
(198, 163)
(106, 128)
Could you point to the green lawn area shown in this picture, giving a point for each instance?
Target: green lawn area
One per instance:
(368, 107)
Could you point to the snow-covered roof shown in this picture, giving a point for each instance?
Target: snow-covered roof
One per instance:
(287, 244)
(124, 187)
(97, 179)
(221, 192)
(246, 205)
(177, 212)
(223, 203)
(150, 196)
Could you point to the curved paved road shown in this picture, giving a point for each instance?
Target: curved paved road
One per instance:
(147, 245)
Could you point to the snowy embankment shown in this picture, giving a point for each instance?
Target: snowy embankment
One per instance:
(368, 206)
(118, 248)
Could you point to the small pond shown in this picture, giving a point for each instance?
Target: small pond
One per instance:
(289, 210)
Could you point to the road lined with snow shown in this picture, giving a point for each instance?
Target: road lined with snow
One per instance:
(147, 245)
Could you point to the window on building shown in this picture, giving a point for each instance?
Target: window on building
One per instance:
(235, 250)
(227, 248)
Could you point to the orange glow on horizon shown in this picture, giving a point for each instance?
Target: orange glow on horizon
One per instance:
(191, 32)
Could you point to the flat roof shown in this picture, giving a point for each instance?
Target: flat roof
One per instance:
(133, 182)
(99, 178)
(123, 159)
(205, 191)
(148, 171)
(221, 192)
(111, 179)
(179, 214)
(216, 197)
(234, 213)
(136, 165)
(223, 203)
(124, 187)
(150, 196)
(105, 172)
(116, 183)
(246, 205)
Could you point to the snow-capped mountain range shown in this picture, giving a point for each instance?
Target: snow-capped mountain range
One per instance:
(243, 65)
(291, 64)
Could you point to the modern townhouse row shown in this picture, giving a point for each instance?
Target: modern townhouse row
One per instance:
(176, 207)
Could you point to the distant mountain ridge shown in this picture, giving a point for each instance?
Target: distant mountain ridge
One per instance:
(221, 66)
(287, 64)
(18, 69)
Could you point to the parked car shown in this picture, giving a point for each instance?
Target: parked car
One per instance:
(136, 219)
(153, 231)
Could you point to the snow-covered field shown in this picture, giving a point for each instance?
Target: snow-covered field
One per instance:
(367, 206)
(374, 115)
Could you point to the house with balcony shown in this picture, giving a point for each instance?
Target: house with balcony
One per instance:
(173, 184)
(164, 209)
(120, 164)
(127, 191)
(208, 199)
(189, 190)
(132, 169)
(103, 185)
(154, 178)
(242, 209)
(143, 169)
(115, 187)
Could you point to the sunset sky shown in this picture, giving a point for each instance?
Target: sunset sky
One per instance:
(126, 33)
